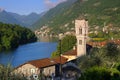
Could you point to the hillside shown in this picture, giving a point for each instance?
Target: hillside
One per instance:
(27, 20)
(53, 14)
(5, 17)
(14, 18)
(98, 13)
(11, 36)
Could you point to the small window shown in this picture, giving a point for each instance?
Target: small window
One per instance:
(80, 31)
(80, 42)
(32, 70)
(85, 33)
(49, 71)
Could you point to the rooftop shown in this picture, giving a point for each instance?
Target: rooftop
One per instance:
(117, 41)
(72, 52)
(45, 62)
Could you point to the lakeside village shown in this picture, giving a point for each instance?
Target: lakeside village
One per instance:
(64, 65)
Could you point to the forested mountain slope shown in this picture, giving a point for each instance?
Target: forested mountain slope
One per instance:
(23, 20)
(98, 13)
(11, 36)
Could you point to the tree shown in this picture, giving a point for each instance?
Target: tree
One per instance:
(112, 50)
(66, 44)
(6, 73)
(100, 73)
(6, 42)
(11, 36)
(86, 62)
(55, 54)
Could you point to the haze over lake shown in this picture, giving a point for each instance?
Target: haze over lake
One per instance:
(24, 53)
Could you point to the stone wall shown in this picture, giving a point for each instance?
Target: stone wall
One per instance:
(27, 70)
(48, 71)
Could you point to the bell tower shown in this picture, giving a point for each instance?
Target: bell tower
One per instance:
(81, 28)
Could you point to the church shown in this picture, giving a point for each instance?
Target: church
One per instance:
(49, 66)
(81, 29)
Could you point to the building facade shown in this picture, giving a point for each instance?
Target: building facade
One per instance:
(45, 66)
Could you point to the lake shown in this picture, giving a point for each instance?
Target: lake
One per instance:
(24, 53)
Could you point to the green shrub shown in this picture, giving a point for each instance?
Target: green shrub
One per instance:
(65, 45)
(5, 74)
(115, 74)
(118, 66)
(100, 73)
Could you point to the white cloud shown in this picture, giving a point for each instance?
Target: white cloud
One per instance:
(49, 4)
(1, 9)
(59, 1)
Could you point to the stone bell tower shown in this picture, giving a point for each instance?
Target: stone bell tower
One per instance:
(81, 28)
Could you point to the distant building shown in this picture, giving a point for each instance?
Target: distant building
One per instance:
(103, 43)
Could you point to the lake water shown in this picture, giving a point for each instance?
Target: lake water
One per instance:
(28, 52)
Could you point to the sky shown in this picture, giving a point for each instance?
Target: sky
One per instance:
(25, 7)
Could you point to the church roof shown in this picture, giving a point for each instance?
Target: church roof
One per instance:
(63, 60)
(72, 52)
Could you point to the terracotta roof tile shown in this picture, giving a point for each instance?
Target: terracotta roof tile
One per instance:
(45, 62)
(42, 62)
(62, 61)
(71, 52)
(117, 41)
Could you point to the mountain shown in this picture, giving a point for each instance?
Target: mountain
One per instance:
(27, 20)
(5, 17)
(53, 13)
(31, 18)
(98, 13)
(14, 18)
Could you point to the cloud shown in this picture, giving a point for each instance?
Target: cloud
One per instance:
(1, 9)
(49, 4)
(59, 1)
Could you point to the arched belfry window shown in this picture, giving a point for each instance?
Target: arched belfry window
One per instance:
(80, 30)
(80, 42)
(85, 33)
